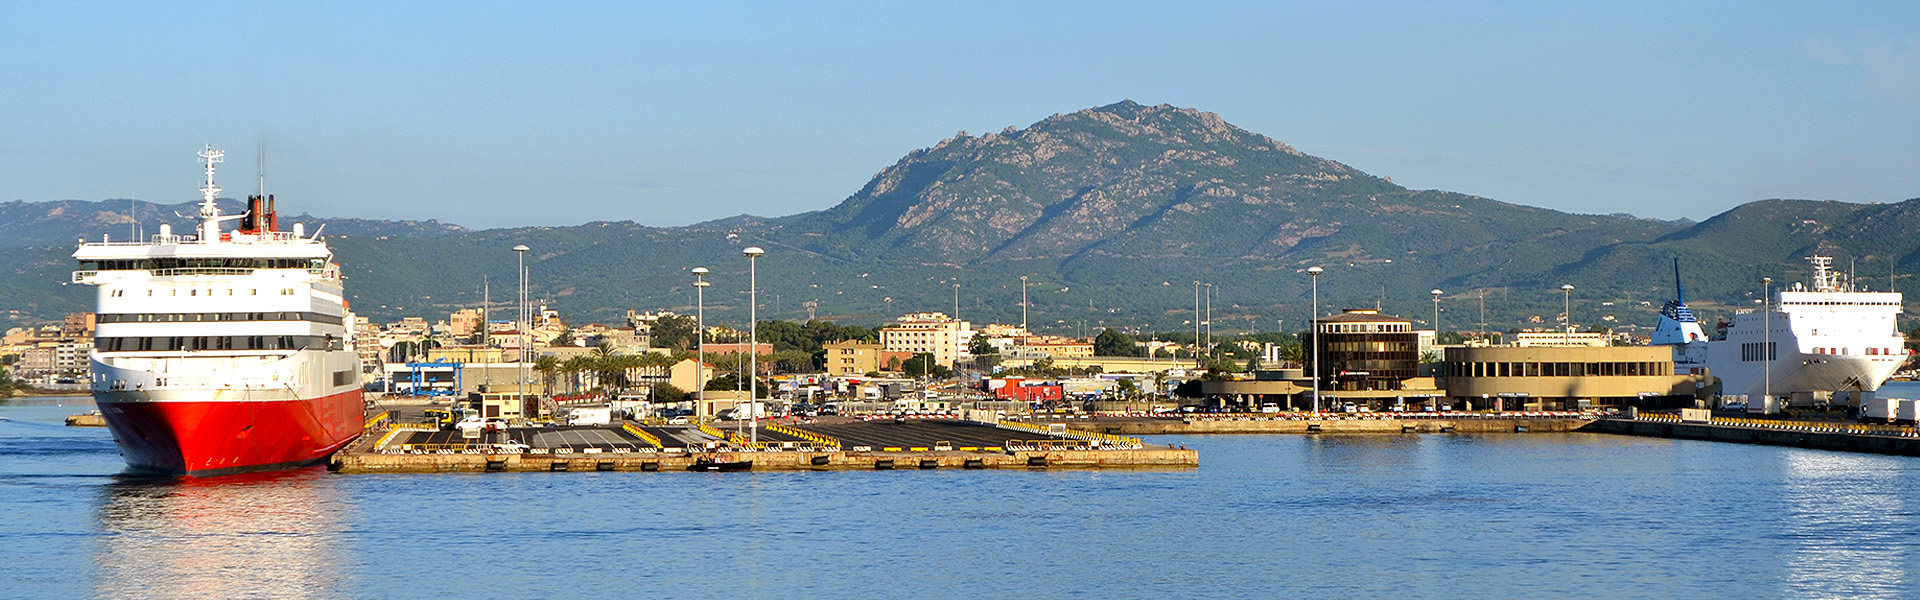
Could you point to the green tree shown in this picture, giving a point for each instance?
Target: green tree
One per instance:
(1111, 342)
(676, 332)
(547, 366)
(564, 339)
(666, 392)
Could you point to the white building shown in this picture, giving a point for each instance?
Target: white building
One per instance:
(930, 333)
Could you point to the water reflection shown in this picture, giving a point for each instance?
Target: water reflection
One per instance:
(243, 536)
(1845, 526)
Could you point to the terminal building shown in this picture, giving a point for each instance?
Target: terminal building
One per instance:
(1361, 349)
(1567, 377)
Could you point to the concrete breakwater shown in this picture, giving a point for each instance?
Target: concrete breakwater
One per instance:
(1841, 437)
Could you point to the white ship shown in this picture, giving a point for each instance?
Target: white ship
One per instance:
(1827, 337)
(226, 351)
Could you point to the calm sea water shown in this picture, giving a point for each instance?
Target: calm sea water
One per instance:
(1416, 516)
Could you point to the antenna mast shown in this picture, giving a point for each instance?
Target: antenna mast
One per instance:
(209, 210)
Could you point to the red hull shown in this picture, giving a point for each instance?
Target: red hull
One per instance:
(204, 439)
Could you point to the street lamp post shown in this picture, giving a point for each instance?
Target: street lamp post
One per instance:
(1209, 321)
(1196, 325)
(1566, 291)
(700, 333)
(1766, 337)
(753, 338)
(526, 324)
(1436, 315)
(1023, 303)
(956, 302)
(1315, 272)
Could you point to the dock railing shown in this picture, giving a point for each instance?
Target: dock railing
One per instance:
(1100, 439)
(1801, 426)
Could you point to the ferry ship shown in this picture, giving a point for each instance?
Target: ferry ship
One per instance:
(224, 351)
(1827, 337)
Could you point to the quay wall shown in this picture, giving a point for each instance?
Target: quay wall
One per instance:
(1256, 425)
(1846, 442)
(1151, 457)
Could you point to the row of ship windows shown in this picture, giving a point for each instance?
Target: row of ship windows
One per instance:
(152, 264)
(216, 342)
(219, 317)
(1555, 369)
(196, 292)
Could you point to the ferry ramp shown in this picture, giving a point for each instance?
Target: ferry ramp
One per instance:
(922, 435)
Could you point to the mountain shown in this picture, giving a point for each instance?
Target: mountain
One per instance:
(62, 222)
(1110, 213)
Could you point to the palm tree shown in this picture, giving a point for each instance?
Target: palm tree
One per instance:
(573, 367)
(547, 365)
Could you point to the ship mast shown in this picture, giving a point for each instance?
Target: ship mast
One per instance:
(209, 210)
(1823, 276)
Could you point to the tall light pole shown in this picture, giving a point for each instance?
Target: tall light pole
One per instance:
(753, 338)
(700, 332)
(526, 324)
(1766, 337)
(1436, 316)
(1023, 303)
(1566, 291)
(956, 301)
(1209, 321)
(1315, 272)
(1196, 325)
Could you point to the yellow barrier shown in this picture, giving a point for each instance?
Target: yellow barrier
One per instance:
(387, 438)
(376, 419)
(806, 435)
(1076, 433)
(644, 436)
(709, 430)
(417, 426)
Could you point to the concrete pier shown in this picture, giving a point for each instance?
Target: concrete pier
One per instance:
(363, 462)
(1329, 424)
(1840, 436)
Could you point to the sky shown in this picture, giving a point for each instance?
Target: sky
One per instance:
(512, 114)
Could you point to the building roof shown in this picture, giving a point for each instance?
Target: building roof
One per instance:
(1362, 315)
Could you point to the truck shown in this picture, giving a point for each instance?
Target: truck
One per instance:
(1907, 413)
(590, 416)
(1879, 410)
(749, 410)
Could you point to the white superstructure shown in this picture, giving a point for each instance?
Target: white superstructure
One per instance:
(1827, 337)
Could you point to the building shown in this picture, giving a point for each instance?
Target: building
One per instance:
(854, 358)
(689, 375)
(1051, 347)
(1567, 378)
(1361, 349)
(1535, 339)
(465, 322)
(466, 354)
(77, 325)
(929, 333)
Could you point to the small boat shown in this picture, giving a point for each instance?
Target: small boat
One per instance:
(708, 464)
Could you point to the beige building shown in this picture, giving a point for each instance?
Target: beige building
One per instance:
(929, 333)
(689, 375)
(1555, 378)
(465, 322)
(850, 357)
(1052, 347)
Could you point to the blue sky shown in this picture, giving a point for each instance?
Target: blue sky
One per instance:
(514, 114)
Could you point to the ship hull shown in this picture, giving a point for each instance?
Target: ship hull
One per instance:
(209, 437)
